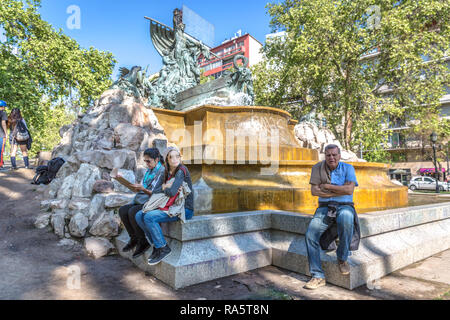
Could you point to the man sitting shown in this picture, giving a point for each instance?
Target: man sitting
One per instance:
(333, 182)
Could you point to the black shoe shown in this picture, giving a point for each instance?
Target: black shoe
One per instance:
(140, 250)
(159, 255)
(13, 168)
(130, 245)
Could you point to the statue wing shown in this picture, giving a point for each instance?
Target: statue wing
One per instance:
(123, 71)
(163, 37)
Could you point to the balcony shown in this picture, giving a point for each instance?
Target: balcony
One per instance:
(225, 55)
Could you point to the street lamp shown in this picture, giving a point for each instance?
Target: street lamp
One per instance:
(433, 138)
(448, 169)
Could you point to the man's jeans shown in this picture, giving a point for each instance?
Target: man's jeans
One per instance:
(150, 221)
(319, 224)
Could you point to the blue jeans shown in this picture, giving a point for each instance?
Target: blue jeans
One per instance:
(150, 221)
(319, 224)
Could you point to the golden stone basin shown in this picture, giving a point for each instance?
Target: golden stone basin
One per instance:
(247, 158)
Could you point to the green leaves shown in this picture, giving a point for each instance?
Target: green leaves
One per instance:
(46, 73)
(357, 64)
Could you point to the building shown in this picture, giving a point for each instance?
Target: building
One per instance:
(412, 154)
(245, 45)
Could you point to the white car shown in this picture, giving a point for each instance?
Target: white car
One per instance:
(427, 183)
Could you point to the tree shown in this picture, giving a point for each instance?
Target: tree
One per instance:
(46, 73)
(357, 63)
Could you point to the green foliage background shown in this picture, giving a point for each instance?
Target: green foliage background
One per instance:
(46, 73)
(319, 66)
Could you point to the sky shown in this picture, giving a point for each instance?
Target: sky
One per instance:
(118, 26)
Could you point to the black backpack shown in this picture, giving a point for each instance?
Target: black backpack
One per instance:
(41, 176)
(45, 174)
(21, 132)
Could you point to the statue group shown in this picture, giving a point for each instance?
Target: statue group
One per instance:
(180, 70)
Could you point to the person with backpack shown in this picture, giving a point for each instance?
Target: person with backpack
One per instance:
(3, 132)
(19, 136)
(176, 176)
(151, 183)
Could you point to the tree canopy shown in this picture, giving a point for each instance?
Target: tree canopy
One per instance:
(358, 63)
(45, 73)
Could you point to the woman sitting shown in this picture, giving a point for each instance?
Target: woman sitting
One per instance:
(174, 177)
(152, 183)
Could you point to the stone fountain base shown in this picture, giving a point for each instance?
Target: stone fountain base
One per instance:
(216, 246)
(247, 158)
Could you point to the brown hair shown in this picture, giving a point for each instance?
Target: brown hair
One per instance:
(14, 117)
(167, 166)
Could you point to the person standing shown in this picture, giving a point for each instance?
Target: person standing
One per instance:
(151, 183)
(334, 183)
(3, 121)
(19, 136)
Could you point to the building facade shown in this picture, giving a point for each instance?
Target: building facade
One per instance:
(245, 45)
(413, 153)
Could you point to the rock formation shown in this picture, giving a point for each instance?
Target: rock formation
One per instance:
(82, 200)
(311, 136)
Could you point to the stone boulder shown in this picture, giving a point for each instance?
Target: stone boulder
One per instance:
(96, 209)
(65, 191)
(311, 136)
(58, 222)
(103, 186)
(106, 225)
(69, 244)
(42, 220)
(116, 200)
(59, 204)
(78, 225)
(108, 159)
(128, 136)
(85, 179)
(97, 247)
(128, 175)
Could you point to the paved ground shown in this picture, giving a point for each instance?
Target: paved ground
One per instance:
(33, 266)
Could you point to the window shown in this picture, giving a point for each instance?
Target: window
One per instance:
(428, 180)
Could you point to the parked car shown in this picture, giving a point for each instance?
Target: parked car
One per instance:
(427, 183)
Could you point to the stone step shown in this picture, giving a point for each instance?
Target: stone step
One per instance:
(216, 246)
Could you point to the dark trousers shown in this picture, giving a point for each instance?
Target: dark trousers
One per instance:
(127, 215)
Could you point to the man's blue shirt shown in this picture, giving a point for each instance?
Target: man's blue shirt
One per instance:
(343, 173)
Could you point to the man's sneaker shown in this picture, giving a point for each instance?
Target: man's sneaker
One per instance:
(3, 169)
(315, 283)
(159, 254)
(130, 245)
(140, 250)
(344, 268)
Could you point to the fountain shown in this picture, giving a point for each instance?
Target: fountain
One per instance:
(251, 182)
(211, 139)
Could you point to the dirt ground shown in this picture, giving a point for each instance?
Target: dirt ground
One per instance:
(33, 266)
